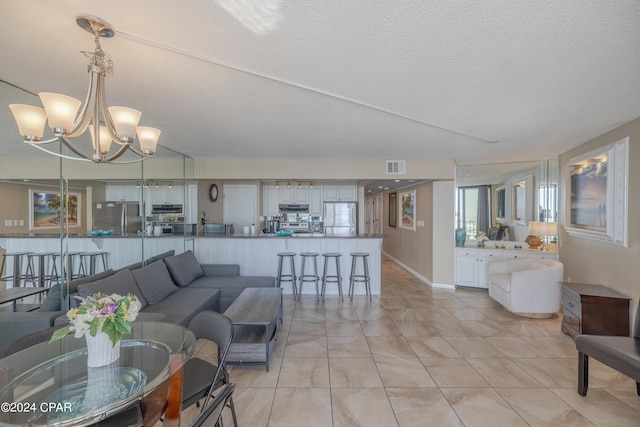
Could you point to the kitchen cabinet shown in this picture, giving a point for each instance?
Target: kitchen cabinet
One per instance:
(594, 310)
(316, 201)
(294, 195)
(270, 200)
(124, 193)
(341, 193)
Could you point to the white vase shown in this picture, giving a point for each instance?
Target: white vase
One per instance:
(101, 351)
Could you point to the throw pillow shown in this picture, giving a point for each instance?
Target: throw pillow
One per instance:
(184, 268)
(160, 256)
(58, 292)
(154, 282)
(121, 283)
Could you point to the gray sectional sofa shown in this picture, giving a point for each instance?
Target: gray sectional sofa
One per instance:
(172, 288)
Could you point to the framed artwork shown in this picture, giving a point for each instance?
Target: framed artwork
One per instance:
(46, 209)
(393, 210)
(408, 210)
(596, 199)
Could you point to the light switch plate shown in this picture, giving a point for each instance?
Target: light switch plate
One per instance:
(22, 223)
(420, 223)
(15, 222)
(8, 223)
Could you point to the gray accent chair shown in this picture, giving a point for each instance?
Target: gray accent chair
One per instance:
(619, 353)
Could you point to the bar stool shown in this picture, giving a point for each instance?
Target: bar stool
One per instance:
(91, 258)
(291, 277)
(68, 268)
(43, 259)
(16, 276)
(309, 277)
(362, 278)
(331, 278)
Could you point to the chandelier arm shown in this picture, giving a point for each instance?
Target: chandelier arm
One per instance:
(82, 122)
(73, 148)
(42, 142)
(64, 156)
(106, 115)
(117, 154)
(138, 152)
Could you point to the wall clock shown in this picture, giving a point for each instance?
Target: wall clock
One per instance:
(213, 192)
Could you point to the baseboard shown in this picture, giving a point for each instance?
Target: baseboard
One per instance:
(418, 275)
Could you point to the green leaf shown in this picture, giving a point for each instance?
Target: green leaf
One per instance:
(93, 326)
(60, 333)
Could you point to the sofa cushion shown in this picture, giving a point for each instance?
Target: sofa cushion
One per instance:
(154, 282)
(58, 292)
(160, 256)
(184, 268)
(121, 283)
(180, 307)
(234, 282)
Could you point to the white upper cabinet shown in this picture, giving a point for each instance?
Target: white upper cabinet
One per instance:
(270, 200)
(341, 193)
(316, 200)
(294, 194)
(122, 193)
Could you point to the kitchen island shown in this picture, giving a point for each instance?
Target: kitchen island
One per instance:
(256, 254)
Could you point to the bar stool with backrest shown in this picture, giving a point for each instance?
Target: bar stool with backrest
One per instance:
(43, 275)
(291, 276)
(91, 258)
(361, 278)
(305, 277)
(16, 276)
(331, 278)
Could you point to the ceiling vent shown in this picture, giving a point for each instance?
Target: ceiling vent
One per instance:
(396, 167)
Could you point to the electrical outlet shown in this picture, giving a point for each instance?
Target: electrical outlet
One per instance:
(8, 223)
(15, 222)
(22, 223)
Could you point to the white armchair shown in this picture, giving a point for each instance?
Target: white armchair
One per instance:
(527, 286)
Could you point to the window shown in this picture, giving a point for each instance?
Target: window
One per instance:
(473, 209)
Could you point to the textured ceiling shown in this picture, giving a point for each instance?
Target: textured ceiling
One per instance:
(389, 79)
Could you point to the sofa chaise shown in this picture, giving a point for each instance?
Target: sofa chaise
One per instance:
(171, 288)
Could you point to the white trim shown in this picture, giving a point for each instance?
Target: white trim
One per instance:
(418, 275)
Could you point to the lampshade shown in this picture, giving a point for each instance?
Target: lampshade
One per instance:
(148, 137)
(125, 120)
(61, 110)
(539, 228)
(104, 139)
(30, 120)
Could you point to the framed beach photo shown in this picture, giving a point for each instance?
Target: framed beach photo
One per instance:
(47, 209)
(596, 199)
(408, 210)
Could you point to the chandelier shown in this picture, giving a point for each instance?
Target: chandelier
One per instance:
(68, 121)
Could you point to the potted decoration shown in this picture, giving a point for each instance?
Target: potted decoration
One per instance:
(102, 319)
(482, 238)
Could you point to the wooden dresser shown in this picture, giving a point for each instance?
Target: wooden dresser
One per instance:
(594, 310)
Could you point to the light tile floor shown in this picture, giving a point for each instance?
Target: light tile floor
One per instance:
(418, 356)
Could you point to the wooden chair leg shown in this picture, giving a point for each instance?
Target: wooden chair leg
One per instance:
(583, 373)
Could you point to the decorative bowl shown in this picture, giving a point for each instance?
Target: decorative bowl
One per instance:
(100, 232)
(284, 233)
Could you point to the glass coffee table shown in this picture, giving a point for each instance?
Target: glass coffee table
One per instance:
(50, 384)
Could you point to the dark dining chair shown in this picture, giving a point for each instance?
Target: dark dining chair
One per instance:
(210, 414)
(202, 378)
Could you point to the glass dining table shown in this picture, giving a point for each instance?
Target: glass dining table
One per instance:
(50, 384)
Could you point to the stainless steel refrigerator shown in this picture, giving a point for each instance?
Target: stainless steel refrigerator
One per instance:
(121, 217)
(340, 218)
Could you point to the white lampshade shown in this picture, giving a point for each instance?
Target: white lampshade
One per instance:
(104, 139)
(61, 110)
(125, 120)
(543, 229)
(30, 120)
(148, 137)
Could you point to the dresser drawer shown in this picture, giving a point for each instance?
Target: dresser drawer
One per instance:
(570, 319)
(571, 303)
